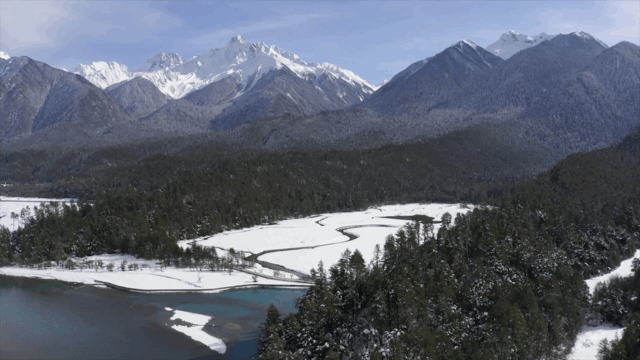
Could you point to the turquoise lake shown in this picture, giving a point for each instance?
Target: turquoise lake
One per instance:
(46, 319)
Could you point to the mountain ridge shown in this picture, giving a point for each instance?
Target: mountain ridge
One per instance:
(176, 76)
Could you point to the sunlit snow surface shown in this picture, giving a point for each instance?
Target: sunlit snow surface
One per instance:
(588, 341)
(195, 330)
(311, 231)
(150, 276)
(16, 204)
(624, 270)
(247, 61)
(321, 232)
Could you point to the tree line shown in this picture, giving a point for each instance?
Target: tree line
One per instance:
(502, 282)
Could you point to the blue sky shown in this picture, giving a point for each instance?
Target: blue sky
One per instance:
(374, 39)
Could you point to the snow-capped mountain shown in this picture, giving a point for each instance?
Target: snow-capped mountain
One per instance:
(103, 74)
(247, 61)
(161, 61)
(586, 37)
(4, 55)
(434, 80)
(37, 99)
(512, 42)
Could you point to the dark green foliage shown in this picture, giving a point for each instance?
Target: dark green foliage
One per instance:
(142, 207)
(499, 283)
(626, 348)
(615, 301)
(271, 345)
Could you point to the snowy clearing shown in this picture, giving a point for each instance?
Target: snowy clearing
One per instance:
(372, 226)
(195, 331)
(624, 270)
(588, 340)
(149, 277)
(305, 259)
(321, 232)
(15, 205)
(319, 229)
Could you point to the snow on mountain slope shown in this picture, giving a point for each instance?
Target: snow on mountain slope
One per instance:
(586, 36)
(103, 74)
(4, 55)
(512, 42)
(248, 61)
(161, 61)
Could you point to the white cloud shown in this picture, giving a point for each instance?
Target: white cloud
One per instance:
(48, 24)
(611, 21)
(625, 16)
(30, 23)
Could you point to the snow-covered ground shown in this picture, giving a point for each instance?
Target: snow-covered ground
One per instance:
(194, 331)
(148, 277)
(15, 205)
(371, 225)
(305, 259)
(588, 341)
(624, 270)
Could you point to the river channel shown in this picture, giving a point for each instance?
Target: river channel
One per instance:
(56, 320)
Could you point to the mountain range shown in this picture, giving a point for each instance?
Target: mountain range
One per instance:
(567, 94)
(247, 62)
(556, 94)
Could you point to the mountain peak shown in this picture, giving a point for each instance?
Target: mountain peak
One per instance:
(467, 42)
(161, 61)
(176, 77)
(4, 55)
(471, 53)
(512, 41)
(464, 44)
(585, 36)
(237, 39)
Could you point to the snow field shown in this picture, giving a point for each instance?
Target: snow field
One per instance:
(588, 341)
(374, 231)
(16, 204)
(306, 259)
(319, 230)
(149, 277)
(195, 331)
(288, 233)
(624, 270)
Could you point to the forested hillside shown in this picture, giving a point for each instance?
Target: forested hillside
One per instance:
(617, 302)
(500, 283)
(144, 205)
